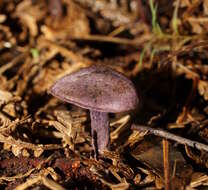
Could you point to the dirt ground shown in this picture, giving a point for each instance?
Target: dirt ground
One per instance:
(161, 46)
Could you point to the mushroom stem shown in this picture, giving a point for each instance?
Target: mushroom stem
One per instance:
(100, 131)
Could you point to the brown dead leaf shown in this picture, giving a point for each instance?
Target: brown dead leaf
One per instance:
(203, 89)
(5, 97)
(205, 7)
(199, 179)
(149, 178)
(2, 18)
(199, 25)
(6, 37)
(185, 3)
(153, 158)
(30, 14)
(73, 24)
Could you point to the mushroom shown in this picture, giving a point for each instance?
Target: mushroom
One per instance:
(101, 90)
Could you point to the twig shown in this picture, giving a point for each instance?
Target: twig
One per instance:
(112, 39)
(167, 135)
(166, 163)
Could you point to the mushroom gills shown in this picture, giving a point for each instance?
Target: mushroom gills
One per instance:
(100, 131)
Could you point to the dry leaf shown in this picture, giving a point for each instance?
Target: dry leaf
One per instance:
(205, 7)
(203, 89)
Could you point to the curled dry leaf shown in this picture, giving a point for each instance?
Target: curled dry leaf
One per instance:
(48, 74)
(10, 109)
(199, 179)
(16, 150)
(149, 176)
(53, 174)
(37, 153)
(134, 138)
(203, 89)
(122, 125)
(6, 38)
(199, 25)
(159, 183)
(8, 104)
(124, 185)
(137, 179)
(205, 7)
(201, 159)
(2, 18)
(4, 121)
(5, 97)
(185, 3)
(73, 24)
(30, 14)
(118, 13)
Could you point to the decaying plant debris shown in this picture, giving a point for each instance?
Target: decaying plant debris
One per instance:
(160, 45)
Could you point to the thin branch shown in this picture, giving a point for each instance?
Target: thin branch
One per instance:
(168, 135)
(112, 39)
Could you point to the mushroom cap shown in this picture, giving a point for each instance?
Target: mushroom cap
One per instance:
(97, 88)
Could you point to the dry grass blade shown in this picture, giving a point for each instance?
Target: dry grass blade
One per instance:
(166, 164)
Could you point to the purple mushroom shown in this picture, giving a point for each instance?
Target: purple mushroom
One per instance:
(101, 90)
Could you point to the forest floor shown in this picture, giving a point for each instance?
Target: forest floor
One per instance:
(161, 46)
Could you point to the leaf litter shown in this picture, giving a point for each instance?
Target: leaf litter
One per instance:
(160, 45)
